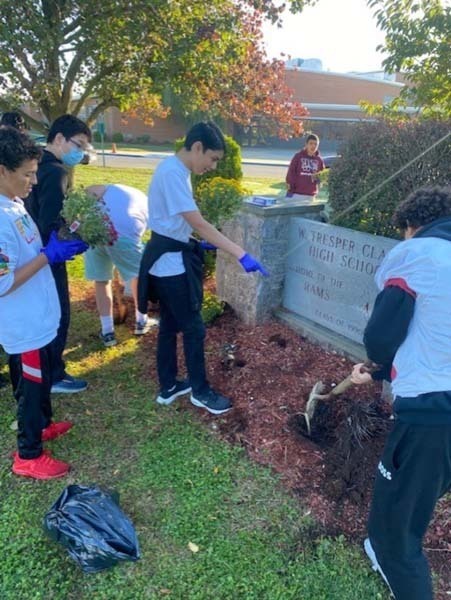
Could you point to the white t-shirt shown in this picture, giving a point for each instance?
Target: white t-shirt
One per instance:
(30, 315)
(170, 193)
(127, 208)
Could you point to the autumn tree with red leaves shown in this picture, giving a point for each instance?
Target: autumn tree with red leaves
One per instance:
(140, 55)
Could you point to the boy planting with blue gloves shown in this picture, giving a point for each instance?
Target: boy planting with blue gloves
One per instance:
(172, 266)
(29, 307)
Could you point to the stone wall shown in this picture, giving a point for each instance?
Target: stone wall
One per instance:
(264, 233)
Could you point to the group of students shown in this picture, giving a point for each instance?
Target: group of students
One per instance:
(408, 333)
(34, 289)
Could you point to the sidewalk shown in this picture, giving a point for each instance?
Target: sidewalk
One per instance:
(252, 156)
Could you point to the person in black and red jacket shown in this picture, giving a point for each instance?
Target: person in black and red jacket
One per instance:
(67, 142)
(409, 334)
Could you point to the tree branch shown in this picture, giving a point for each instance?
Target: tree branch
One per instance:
(90, 86)
(70, 27)
(98, 110)
(20, 53)
(71, 75)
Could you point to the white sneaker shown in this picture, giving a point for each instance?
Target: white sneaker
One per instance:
(143, 328)
(375, 565)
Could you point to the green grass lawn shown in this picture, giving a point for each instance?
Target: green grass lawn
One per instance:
(178, 483)
(140, 178)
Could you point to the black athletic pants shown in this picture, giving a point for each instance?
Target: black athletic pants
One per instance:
(31, 380)
(59, 343)
(177, 315)
(414, 472)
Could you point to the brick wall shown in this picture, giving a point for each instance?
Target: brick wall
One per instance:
(334, 88)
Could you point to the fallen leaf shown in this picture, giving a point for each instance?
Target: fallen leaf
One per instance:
(193, 547)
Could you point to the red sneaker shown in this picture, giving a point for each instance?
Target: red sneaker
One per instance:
(54, 430)
(42, 467)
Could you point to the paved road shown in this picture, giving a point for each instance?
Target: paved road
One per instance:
(250, 169)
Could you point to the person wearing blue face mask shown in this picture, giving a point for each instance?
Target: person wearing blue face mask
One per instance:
(67, 141)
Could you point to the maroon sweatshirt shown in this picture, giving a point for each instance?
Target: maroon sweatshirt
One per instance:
(301, 176)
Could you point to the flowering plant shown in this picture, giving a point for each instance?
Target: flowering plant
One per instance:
(87, 219)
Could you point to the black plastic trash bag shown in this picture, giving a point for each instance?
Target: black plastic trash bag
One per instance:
(93, 528)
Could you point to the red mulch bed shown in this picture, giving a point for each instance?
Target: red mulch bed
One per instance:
(268, 370)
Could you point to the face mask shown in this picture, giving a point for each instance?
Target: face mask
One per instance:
(73, 157)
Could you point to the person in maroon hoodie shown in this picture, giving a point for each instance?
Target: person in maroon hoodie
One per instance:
(302, 180)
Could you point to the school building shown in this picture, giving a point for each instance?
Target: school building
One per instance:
(332, 100)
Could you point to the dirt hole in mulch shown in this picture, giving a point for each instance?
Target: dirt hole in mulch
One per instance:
(351, 434)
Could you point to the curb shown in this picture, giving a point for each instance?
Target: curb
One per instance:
(244, 161)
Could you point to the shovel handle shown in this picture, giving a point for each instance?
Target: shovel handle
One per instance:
(342, 386)
(369, 367)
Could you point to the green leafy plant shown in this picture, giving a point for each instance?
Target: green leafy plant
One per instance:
(323, 177)
(87, 218)
(229, 167)
(219, 199)
(117, 137)
(212, 308)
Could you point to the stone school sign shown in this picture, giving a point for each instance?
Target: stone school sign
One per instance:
(330, 275)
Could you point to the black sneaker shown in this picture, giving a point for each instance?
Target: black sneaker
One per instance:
(212, 401)
(108, 339)
(179, 389)
(69, 385)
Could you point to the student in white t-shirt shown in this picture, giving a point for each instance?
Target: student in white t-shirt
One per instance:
(171, 268)
(127, 209)
(29, 307)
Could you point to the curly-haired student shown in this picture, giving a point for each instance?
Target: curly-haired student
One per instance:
(409, 334)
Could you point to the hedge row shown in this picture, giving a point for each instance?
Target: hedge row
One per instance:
(381, 164)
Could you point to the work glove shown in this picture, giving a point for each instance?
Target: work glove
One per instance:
(249, 264)
(206, 245)
(58, 251)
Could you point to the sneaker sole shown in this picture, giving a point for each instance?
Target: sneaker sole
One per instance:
(49, 439)
(37, 476)
(65, 391)
(110, 344)
(369, 551)
(147, 329)
(213, 411)
(166, 401)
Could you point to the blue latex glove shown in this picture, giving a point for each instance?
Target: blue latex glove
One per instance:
(206, 245)
(58, 251)
(249, 264)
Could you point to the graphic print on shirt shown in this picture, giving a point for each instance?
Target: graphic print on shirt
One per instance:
(27, 228)
(309, 165)
(4, 260)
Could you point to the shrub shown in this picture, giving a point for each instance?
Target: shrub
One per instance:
(143, 139)
(323, 177)
(117, 137)
(228, 168)
(219, 199)
(96, 136)
(377, 151)
(212, 308)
